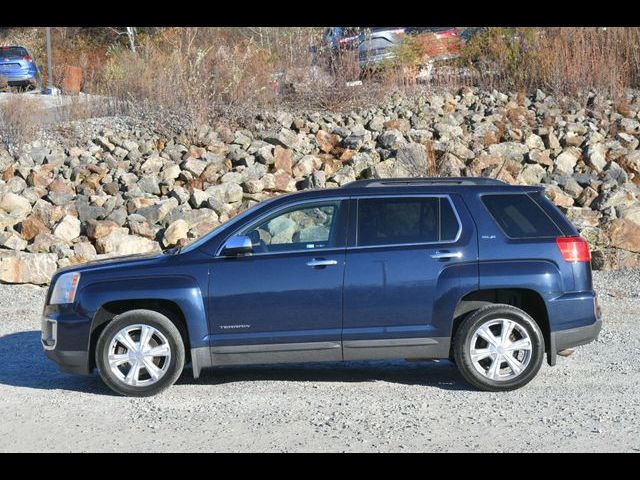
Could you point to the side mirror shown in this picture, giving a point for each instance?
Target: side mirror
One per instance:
(237, 245)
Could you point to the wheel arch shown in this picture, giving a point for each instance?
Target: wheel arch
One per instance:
(110, 310)
(177, 297)
(528, 300)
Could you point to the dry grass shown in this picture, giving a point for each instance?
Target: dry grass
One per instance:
(204, 74)
(559, 60)
(18, 120)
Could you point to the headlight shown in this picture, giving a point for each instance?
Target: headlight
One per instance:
(65, 289)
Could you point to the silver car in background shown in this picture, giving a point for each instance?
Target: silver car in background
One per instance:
(379, 44)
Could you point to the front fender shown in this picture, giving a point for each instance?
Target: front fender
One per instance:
(183, 291)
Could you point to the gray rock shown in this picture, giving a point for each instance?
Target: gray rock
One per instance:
(198, 198)
(150, 184)
(196, 167)
(566, 161)
(531, 174)
(285, 138)
(413, 159)
(511, 151)
(391, 139)
(68, 229)
(597, 157)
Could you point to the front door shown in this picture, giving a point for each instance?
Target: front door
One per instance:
(411, 256)
(282, 303)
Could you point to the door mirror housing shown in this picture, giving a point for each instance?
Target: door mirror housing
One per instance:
(237, 245)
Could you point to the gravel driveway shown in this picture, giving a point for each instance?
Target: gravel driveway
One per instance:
(588, 402)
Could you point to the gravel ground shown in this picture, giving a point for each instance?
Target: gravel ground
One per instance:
(588, 402)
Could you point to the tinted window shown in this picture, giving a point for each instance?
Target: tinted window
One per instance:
(12, 52)
(382, 29)
(299, 228)
(519, 216)
(387, 221)
(417, 30)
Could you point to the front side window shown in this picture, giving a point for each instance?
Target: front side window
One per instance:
(396, 221)
(304, 227)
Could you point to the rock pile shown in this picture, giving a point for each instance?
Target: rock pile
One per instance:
(115, 186)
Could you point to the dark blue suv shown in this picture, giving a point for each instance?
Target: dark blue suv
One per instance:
(488, 275)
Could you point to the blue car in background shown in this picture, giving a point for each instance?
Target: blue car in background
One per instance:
(18, 68)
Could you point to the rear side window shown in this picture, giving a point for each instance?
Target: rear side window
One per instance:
(12, 52)
(396, 221)
(519, 216)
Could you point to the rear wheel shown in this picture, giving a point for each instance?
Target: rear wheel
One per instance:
(140, 353)
(498, 348)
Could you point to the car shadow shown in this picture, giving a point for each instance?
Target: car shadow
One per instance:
(439, 374)
(23, 364)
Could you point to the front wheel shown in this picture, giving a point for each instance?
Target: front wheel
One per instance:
(498, 348)
(140, 353)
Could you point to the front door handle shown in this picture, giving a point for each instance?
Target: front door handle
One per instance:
(445, 255)
(321, 262)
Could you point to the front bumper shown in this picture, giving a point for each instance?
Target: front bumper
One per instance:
(64, 337)
(76, 362)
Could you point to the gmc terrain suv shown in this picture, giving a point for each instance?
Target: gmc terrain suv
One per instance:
(488, 275)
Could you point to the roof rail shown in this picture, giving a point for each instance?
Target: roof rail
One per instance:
(386, 182)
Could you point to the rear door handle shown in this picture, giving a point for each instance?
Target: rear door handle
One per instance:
(321, 262)
(445, 255)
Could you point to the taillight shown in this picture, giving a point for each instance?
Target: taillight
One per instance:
(27, 58)
(447, 33)
(574, 249)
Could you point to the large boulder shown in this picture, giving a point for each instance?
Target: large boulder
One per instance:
(512, 151)
(175, 232)
(119, 242)
(20, 267)
(625, 234)
(68, 229)
(566, 161)
(15, 204)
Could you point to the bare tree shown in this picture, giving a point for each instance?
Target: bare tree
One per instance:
(130, 32)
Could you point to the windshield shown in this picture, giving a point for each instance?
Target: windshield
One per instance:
(12, 52)
(198, 242)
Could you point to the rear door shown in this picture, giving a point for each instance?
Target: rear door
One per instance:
(408, 261)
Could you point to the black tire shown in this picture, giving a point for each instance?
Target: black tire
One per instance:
(152, 319)
(464, 336)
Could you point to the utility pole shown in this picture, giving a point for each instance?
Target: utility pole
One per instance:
(49, 61)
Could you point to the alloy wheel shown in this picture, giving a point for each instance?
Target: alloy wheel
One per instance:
(500, 349)
(139, 355)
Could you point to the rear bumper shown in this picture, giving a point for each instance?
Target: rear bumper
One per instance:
(574, 337)
(584, 320)
(19, 77)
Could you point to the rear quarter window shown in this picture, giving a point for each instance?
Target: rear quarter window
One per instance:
(520, 217)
